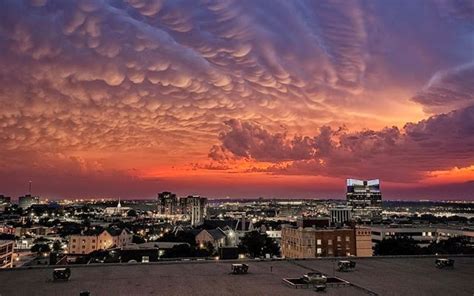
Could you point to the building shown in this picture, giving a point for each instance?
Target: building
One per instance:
(312, 221)
(310, 242)
(98, 239)
(5, 199)
(194, 207)
(117, 211)
(167, 203)
(365, 197)
(422, 234)
(4, 202)
(216, 237)
(340, 215)
(27, 201)
(6, 253)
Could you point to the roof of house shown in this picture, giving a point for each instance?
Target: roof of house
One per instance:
(216, 233)
(222, 224)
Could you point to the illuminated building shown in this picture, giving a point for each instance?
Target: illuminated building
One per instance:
(365, 197)
(98, 239)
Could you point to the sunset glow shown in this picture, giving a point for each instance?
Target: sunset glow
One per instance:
(236, 98)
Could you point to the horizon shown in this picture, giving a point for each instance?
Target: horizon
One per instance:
(236, 98)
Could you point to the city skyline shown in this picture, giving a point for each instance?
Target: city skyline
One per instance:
(236, 98)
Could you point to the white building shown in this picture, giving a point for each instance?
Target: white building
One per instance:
(117, 211)
(91, 240)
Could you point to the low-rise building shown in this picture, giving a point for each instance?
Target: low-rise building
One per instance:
(27, 201)
(422, 234)
(98, 239)
(311, 242)
(216, 237)
(6, 253)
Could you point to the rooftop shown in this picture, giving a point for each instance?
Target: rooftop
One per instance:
(374, 276)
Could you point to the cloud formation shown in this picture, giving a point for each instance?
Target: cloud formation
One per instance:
(153, 85)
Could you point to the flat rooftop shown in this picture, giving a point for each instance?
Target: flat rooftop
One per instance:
(373, 276)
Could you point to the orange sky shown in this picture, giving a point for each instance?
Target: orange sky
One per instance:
(219, 99)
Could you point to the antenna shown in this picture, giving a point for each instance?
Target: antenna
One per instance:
(29, 187)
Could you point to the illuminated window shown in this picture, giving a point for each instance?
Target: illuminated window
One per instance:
(330, 242)
(319, 251)
(319, 242)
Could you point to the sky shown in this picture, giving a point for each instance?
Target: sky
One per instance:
(238, 98)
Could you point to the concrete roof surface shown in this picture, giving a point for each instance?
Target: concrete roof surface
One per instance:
(376, 276)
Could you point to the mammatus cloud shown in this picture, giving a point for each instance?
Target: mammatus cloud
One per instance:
(441, 142)
(138, 84)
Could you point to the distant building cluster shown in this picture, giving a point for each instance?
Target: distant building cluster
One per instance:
(35, 232)
(193, 207)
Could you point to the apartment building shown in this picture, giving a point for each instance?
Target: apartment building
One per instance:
(98, 239)
(6, 253)
(311, 242)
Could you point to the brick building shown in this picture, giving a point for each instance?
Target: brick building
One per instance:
(313, 242)
(6, 253)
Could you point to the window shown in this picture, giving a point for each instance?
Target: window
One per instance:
(329, 242)
(348, 238)
(73, 240)
(338, 238)
(319, 242)
(93, 241)
(319, 251)
(83, 247)
(73, 246)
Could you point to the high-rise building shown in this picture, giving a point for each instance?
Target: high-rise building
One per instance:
(167, 203)
(195, 207)
(6, 253)
(365, 197)
(27, 201)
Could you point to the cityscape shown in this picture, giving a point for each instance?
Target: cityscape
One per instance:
(234, 147)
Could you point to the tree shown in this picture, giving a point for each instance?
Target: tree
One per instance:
(57, 246)
(132, 213)
(258, 244)
(40, 248)
(138, 239)
(454, 245)
(177, 251)
(397, 246)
